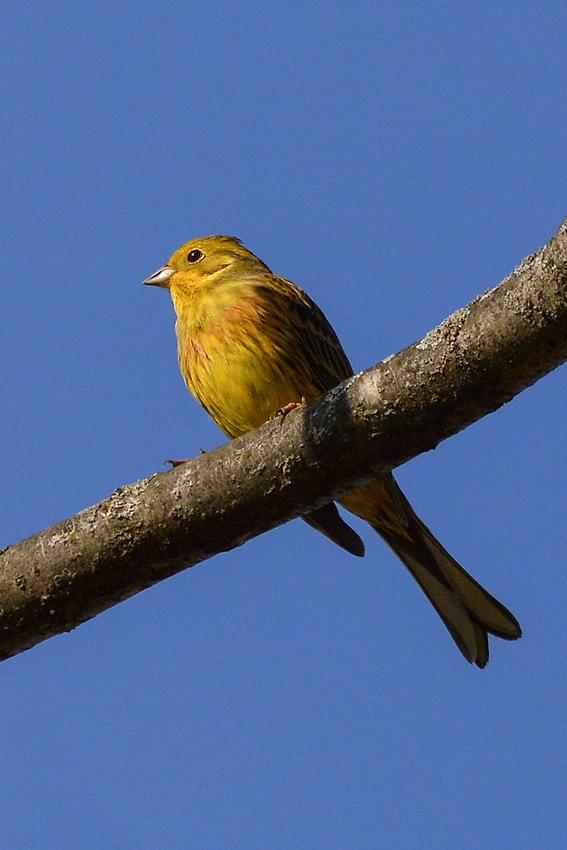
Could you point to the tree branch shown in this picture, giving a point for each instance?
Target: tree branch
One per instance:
(475, 361)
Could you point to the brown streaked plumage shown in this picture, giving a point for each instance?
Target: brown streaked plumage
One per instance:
(251, 343)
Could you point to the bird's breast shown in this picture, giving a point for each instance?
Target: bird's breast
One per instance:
(237, 363)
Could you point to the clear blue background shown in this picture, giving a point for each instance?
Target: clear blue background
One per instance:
(395, 159)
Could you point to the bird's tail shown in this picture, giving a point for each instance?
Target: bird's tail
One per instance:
(329, 522)
(469, 612)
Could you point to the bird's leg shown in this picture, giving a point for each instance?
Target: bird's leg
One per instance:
(283, 411)
(175, 463)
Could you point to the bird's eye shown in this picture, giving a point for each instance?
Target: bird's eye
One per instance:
(194, 256)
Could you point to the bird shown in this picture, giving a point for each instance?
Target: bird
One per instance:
(250, 344)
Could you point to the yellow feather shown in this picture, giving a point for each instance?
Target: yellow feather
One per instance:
(251, 343)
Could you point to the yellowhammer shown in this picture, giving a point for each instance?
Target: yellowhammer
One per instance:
(251, 343)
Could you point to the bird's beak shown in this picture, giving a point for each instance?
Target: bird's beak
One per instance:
(161, 277)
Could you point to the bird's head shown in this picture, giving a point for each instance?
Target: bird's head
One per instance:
(204, 261)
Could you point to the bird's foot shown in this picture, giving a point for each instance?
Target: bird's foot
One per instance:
(175, 463)
(283, 411)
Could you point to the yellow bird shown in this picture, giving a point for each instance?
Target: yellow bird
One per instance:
(251, 343)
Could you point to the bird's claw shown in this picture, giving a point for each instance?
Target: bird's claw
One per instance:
(283, 411)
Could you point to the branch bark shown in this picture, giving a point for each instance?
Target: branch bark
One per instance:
(474, 362)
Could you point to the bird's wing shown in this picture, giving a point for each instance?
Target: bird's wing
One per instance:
(304, 327)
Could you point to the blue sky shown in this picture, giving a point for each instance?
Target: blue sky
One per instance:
(395, 160)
